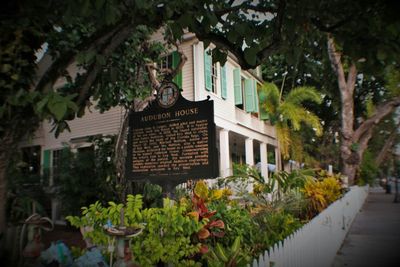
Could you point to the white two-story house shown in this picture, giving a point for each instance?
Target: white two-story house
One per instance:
(242, 134)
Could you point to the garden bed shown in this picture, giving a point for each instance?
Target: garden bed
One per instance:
(207, 226)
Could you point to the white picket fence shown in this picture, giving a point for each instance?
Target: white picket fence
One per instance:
(317, 242)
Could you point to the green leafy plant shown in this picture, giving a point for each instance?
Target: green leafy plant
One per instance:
(166, 236)
(368, 169)
(227, 257)
(238, 223)
(80, 172)
(273, 226)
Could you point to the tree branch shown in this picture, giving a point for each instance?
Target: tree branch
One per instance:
(155, 84)
(335, 59)
(49, 71)
(222, 42)
(330, 29)
(141, 104)
(363, 143)
(182, 60)
(351, 78)
(381, 111)
(388, 144)
(91, 75)
(346, 90)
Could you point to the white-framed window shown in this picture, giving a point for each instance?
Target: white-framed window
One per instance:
(246, 97)
(166, 62)
(171, 61)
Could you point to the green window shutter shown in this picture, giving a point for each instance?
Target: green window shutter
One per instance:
(224, 93)
(262, 98)
(207, 70)
(175, 62)
(46, 160)
(249, 95)
(237, 86)
(255, 95)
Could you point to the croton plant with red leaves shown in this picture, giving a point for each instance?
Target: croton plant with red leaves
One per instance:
(213, 228)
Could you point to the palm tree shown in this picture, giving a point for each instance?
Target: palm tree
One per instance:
(288, 115)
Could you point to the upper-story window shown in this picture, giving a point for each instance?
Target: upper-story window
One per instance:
(210, 74)
(166, 62)
(214, 76)
(171, 61)
(245, 90)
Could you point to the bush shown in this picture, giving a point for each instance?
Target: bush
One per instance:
(368, 169)
(321, 193)
(166, 236)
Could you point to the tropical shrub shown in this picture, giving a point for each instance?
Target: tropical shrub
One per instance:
(88, 168)
(368, 169)
(272, 226)
(238, 223)
(166, 236)
(321, 193)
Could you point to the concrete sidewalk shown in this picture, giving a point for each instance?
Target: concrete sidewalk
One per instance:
(374, 238)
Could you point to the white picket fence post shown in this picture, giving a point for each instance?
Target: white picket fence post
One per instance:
(317, 242)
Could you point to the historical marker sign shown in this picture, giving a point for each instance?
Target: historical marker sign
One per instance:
(173, 140)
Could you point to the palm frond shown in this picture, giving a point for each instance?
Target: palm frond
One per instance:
(291, 112)
(296, 147)
(269, 101)
(304, 93)
(284, 139)
(311, 120)
(393, 81)
(270, 95)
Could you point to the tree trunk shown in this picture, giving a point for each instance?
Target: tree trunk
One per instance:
(5, 152)
(350, 171)
(3, 194)
(346, 88)
(9, 141)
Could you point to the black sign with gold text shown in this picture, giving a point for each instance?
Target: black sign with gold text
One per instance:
(170, 145)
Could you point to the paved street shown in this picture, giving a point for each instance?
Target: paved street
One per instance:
(374, 238)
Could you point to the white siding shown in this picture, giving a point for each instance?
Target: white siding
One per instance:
(187, 72)
(92, 123)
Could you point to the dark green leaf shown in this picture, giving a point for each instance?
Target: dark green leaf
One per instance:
(250, 56)
(58, 109)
